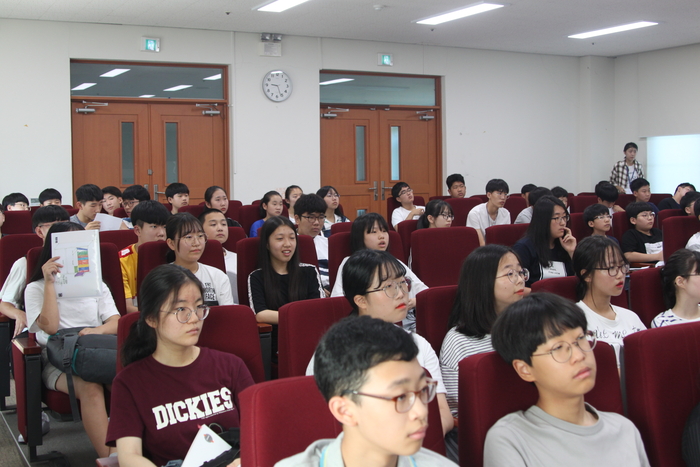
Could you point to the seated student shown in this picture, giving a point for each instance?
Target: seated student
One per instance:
(681, 289)
(334, 212)
(404, 196)
(377, 286)
(534, 195)
(694, 241)
(47, 314)
(491, 212)
(674, 201)
(187, 240)
(111, 199)
(643, 243)
(216, 228)
(149, 218)
(291, 195)
(161, 354)
(271, 205)
(309, 214)
(15, 202)
(438, 213)
(642, 193)
(562, 194)
(688, 202)
(525, 192)
(601, 269)
(607, 195)
(215, 198)
(455, 186)
(178, 195)
(545, 338)
(132, 196)
(89, 203)
(370, 374)
(370, 231)
(50, 196)
(11, 298)
(491, 279)
(547, 247)
(598, 218)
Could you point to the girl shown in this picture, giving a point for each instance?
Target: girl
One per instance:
(161, 355)
(490, 280)
(681, 289)
(281, 279)
(291, 195)
(46, 315)
(187, 240)
(601, 269)
(215, 198)
(547, 247)
(438, 213)
(216, 228)
(334, 213)
(270, 205)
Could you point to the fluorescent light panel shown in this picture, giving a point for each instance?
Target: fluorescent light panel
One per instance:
(80, 87)
(115, 72)
(336, 81)
(461, 13)
(280, 5)
(148, 95)
(178, 88)
(213, 77)
(624, 27)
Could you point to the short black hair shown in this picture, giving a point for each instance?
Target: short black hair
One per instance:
(13, 198)
(538, 193)
(496, 184)
(175, 189)
(310, 204)
(559, 192)
(353, 346)
(362, 225)
(630, 145)
(454, 178)
(636, 208)
(638, 183)
(136, 192)
(681, 263)
(396, 189)
(50, 213)
(606, 191)
(688, 199)
(593, 211)
(532, 321)
(112, 190)
(205, 212)
(527, 188)
(360, 269)
(150, 212)
(48, 194)
(88, 193)
(684, 185)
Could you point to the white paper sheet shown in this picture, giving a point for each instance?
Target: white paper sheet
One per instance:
(108, 222)
(206, 446)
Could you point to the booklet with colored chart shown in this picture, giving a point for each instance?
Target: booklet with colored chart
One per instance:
(81, 274)
(206, 446)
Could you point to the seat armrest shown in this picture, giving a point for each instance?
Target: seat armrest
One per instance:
(264, 327)
(27, 345)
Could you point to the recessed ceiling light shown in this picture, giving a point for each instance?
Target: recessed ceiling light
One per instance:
(624, 27)
(178, 88)
(148, 95)
(213, 77)
(336, 81)
(461, 13)
(115, 72)
(80, 87)
(280, 5)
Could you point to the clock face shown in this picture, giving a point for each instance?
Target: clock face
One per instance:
(277, 86)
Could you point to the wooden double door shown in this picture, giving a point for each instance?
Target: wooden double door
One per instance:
(364, 152)
(151, 144)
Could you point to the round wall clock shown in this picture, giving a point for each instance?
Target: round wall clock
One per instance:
(277, 86)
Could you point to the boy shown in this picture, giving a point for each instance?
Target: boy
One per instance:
(132, 196)
(309, 215)
(111, 199)
(562, 194)
(525, 192)
(13, 288)
(598, 218)
(642, 193)
(544, 337)
(674, 201)
(178, 195)
(149, 218)
(491, 212)
(455, 186)
(534, 195)
(15, 202)
(368, 373)
(89, 203)
(694, 241)
(607, 195)
(404, 196)
(216, 226)
(688, 202)
(50, 196)
(643, 243)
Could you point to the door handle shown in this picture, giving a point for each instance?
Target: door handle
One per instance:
(385, 188)
(374, 188)
(156, 192)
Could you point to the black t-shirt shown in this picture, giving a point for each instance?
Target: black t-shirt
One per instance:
(635, 241)
(530, 261)
(668, 203)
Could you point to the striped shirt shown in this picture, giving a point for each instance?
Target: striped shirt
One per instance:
(669, 317)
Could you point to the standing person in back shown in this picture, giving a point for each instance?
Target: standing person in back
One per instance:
(89, 203)
(626, 170)
(491, 212)
(178, 195)
(404, 196)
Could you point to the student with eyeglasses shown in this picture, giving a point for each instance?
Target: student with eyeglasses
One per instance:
(601, 269)
(545, 338)
(681, 283)
(376, 285)
(334, 211)
(309, 215)
(438, 213)
(169, 385)
(548, 245)
(598, 218)
(643, 243)
(404, 196)
(491, 279)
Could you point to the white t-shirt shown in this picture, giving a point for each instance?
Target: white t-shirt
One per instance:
(694, 242)
(15, 282)
(217, 287)
(525, 216)
(479, 218)
(321, 244)
(230, 259)
(73, 312)
(613, 331)
(400, 214)
(668, 317)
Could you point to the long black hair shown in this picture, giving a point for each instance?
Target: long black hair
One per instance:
(681, 263)
(265, 201)
(594, 252)
(273, 290)
(323, 191)
(540, 232)
(434, 208)
(364, 224)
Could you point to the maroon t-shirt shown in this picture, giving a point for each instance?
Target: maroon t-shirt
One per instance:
(163, 405)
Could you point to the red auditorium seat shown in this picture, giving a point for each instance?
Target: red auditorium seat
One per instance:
(433, 308)
(121, 238)
(461, 208)
(451, 246)
(405, 229)
(507, 234)
(234, 235)
(677, 231)
(17, 222)
(646, 294)
(579, 203)
(515, 204)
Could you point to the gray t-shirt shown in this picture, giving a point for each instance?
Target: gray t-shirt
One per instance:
(535, 438)
(74, 218)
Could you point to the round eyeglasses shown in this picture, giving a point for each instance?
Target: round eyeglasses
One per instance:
(558, 220)
(514, 276)
(314, 219)
(562, 351)
(183, 314)
(614, 270)
(189, 239)
(404, 402)
(392, 288)
(447, 216)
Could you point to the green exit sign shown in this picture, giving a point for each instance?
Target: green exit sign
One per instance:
(150, 44)
(386, 60)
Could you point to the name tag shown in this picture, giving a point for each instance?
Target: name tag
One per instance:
(556, 269)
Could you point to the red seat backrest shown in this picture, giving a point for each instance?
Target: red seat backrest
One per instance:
(677, 231)
(17, 222)
(213, 255)
(392, 204)
(438, 254)
(151, 255)
(307, 250)
(579, 203)
(483, 198)
(515, 204)
(12, 248)
(624, 199)
(662, 375)
(489, 389)
(507, 235)
(121, 213)
(620, 225)
(666, 213)
(405, 229)
(461, 208)
(234, 210)
(194, 209)
(578, 227)
(121, 238)
(562, 286)
(646, 294)
(247, 216)
(433, 308)
(234, 235)
(438, 197)
(657, 197)
(341, 227)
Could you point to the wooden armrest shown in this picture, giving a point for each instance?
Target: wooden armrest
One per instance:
(456, 420)
(264, 327)
(107, 462)
(27, 345)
